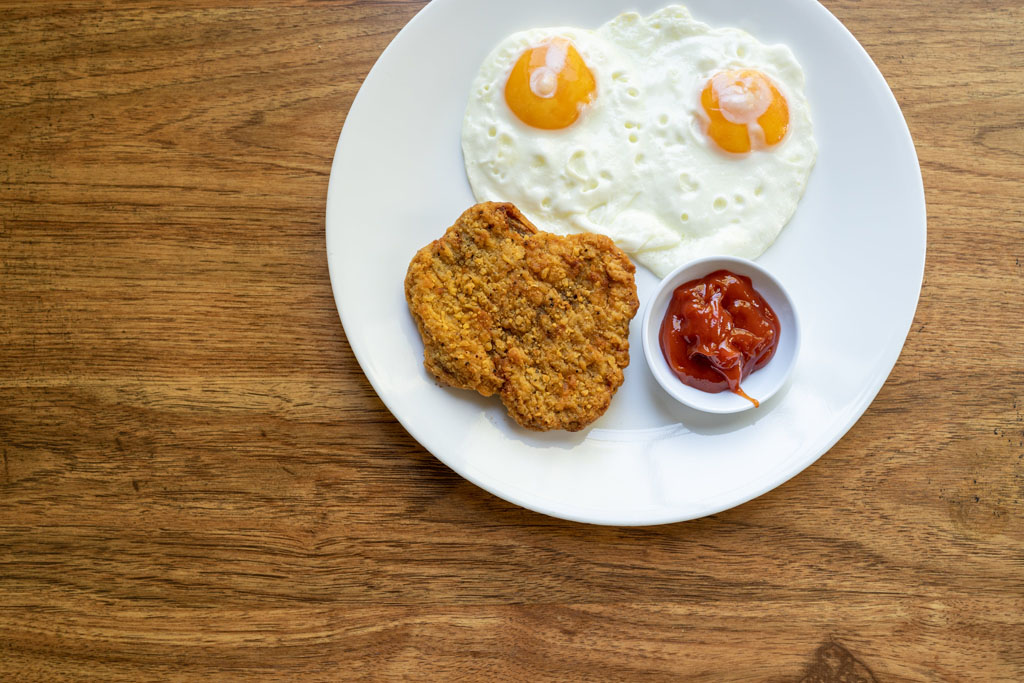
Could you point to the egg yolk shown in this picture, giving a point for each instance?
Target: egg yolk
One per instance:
(745, 111)
(550, 85)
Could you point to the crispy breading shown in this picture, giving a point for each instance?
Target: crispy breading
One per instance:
(540, 319)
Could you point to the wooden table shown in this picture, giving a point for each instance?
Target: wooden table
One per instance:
(198, 481)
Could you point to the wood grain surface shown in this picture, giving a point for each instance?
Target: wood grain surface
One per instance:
(197, 481)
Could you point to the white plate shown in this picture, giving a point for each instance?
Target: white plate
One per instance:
(852, 258)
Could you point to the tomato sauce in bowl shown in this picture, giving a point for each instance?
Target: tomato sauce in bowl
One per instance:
(721, 334)
(717, 330)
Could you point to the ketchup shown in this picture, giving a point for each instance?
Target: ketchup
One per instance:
(717, 331)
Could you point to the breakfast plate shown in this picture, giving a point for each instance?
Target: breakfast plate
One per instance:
(851, 259)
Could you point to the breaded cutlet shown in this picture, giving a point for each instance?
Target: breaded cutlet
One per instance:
(541, 319)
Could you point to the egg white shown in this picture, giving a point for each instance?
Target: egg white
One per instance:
(568, 180)
(717, 203)
(636, 165)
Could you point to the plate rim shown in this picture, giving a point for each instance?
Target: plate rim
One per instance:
(859, 406)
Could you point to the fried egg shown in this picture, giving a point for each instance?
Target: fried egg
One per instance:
(675, 139)
(551, 115)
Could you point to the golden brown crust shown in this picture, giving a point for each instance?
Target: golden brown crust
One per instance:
(540, 319)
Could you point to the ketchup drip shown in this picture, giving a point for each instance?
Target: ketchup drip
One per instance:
(717, 331)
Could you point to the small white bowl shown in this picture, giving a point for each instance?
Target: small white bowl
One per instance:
(762, 384)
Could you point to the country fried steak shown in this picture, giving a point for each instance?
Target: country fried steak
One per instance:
(540, 319)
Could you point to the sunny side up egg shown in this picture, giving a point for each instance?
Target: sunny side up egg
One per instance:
(558, 175)
(674, 139)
